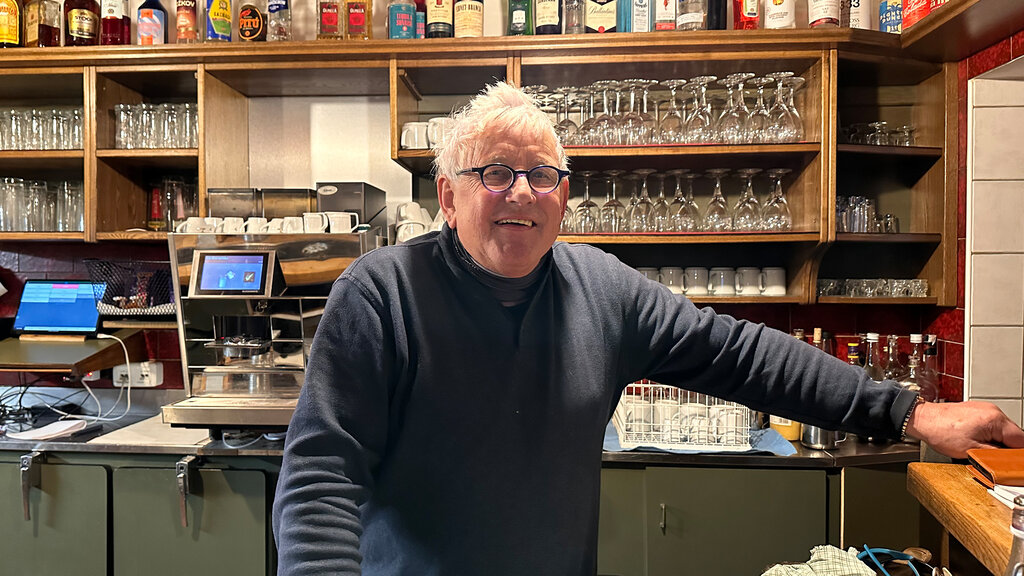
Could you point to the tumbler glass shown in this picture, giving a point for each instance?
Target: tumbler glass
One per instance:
(35, 205)
(144, 125)
(169, 129)
(124, 135)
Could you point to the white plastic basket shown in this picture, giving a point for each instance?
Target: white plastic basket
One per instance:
(666, 417)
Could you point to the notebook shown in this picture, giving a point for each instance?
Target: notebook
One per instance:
(60, 307)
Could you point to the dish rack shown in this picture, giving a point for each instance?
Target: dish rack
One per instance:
(132, 287)
(659, 416)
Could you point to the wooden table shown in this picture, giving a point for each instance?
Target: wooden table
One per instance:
(966, 511)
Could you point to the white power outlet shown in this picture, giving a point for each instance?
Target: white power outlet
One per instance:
(143, 374)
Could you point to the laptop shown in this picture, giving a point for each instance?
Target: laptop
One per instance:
(58, 307)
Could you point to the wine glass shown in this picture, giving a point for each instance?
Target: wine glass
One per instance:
(585, 133)
(700, 124)
(632, 129)
(746, 214)
(783, 126)
(606, 127)
(776, 215)
(672, 125)
(792, 85)
(690, 220)
(587, 211)
(650, 120)
(613, 213)
(566, 128)
(661, 221)
(641, 218)
(730, 125)
(568, 225)
(759, 120)
(677, 197)
(717, 217)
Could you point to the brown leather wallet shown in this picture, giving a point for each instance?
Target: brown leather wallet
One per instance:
(999, 465)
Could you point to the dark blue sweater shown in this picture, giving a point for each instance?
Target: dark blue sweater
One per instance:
(437, 434)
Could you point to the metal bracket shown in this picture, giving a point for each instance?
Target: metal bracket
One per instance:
(186, 473)
(30, 477)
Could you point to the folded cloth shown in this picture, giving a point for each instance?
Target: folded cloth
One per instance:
(767, 440)
(825, 561)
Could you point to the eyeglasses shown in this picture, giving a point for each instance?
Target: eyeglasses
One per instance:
(499, 178)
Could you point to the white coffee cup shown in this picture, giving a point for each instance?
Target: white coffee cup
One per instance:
(414, 135)
(722, 281)
(409, 212)
(292, 225)
(231, 225)
(650, 273)
(342, 222)
(774, 281)
(256, 225)
(315, 222)
(199, 225)
(695, 281)
(275, 226)
(666, 413)
(409, 230)
(749, 281)
(730, 423)
(672, 276)
(437, 130)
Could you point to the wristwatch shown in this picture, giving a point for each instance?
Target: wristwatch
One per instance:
(906, 419)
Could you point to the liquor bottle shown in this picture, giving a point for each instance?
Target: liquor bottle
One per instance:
(549, 17)
(816, 339)
(157, 212)
(401, 22)
(330, 24)
(890, 16)
(665, 14)
(151, 24)
(252, 21)
(81, 22)
(823, 13)
(745, 14)
(718, 14)
(894, 369)
(10, 23)
(914, 10)
(853, 354)
(780, 14)
(873, 364)
(421, 24)
(862, 16)
(279, 21)
(218, 20)
(623, 15)
(600, 16)
(440, 19)
(572, 17)
(359, 19)
(42, 23)
(928, 374)
(640, 19)
(186, 21)
(520, 18)
(112, 16)
(469, 18)
(692, 15)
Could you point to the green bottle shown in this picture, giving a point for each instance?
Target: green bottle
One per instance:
(520, 17)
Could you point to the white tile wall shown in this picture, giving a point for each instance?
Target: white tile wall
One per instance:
(999, 154)
(997, 289)
(997, 223)
(1011, 408)
(994, 368)
(997, 92)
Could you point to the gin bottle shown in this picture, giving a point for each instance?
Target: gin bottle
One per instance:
(279, 25)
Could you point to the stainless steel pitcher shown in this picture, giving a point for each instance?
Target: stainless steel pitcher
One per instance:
(819, 438)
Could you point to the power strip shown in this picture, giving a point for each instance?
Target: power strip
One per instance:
(144, 375)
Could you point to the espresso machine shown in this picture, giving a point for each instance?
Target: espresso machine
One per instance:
(249, 306)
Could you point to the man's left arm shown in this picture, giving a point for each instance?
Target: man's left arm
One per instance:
(952, 428)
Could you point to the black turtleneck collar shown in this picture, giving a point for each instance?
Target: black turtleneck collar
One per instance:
(509, 291)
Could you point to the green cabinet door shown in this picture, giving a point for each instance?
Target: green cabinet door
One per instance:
(227, 523)
(620, 533)
(731, 522)
(67, 532)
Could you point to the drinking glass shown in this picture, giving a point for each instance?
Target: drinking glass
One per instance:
(672, 125)
(781, 122)
(190, 123)
(5, 130)
(15, 130)
(731, 123)
(586, 217)
(35, 136)
(641, 218)
(565, 128)
(661, 215)
(700, 124)
(776, 215)
(746, 214)
(123, 131)
(650, 120)
(687, 217)
(759, 121)
(716, 215)
(879, 135)
(902, 136)
(75, 127)
(35, 206)
(792, 85)
(632, 128)
(170, 132)
(585, 133)
(606, 127)
(144, 126)
(613, 213)
(12, 204)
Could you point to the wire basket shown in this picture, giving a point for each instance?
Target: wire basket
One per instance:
(666, 417)
(132, 287)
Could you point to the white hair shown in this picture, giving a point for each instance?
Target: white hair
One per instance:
(500, 106)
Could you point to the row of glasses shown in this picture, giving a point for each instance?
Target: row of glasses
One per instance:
(53, 128)
(676, 210)
(879, 134)
(677, 111)
(147, 125)
(40, 206)
(874, 287)
(858, 214)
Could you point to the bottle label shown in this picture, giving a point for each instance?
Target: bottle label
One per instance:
(823, 12)
(690, 19)
(780, 14)
(601, 15)
(469, 19)
(218, 20)
(860, 14)
(641, 16)
(329, 18)
(151, 27)
(780, 421)
(112, 9)
(185, 20)
(750, 8)
(519, 18)
(439, 12)
(421, 24)
(547, 13)
(32, 24)
(83, 23)
(10, 23)
(664, 15)
(356, 19)
(402, 21)
(275, 6)
(890, 16)
(252, 24)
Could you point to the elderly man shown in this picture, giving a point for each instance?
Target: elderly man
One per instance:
(459, 385)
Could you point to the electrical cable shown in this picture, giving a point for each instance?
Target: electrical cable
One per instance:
(100, 415)
(224, 439)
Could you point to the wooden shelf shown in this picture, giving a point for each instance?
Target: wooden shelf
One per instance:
(40, 236)
(149, 153)
(746, 300)
(76, 358)
(141, 324)
(866, 149)
(907, 238)
(850, 300)
(960, 28)
(29, 162)
(136, 235)
(690, 238)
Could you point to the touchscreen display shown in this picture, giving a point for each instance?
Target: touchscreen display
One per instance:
(232, 273)
(57, 308)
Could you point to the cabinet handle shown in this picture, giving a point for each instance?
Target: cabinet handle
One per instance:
(30, 478)
(664, 518)
(189, 481)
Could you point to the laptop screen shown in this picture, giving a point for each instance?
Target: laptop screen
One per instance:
(57, 307)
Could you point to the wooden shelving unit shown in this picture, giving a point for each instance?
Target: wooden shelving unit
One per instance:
(133, 235)
(41, 236)
(904, 238)
(850, 300)
(746, 299)
(689, 238)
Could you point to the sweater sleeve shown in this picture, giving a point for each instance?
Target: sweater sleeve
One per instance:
(759, 367)
(335, 439)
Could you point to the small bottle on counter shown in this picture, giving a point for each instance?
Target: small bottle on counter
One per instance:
(873, 364)
(894, 369)
(853, 354)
